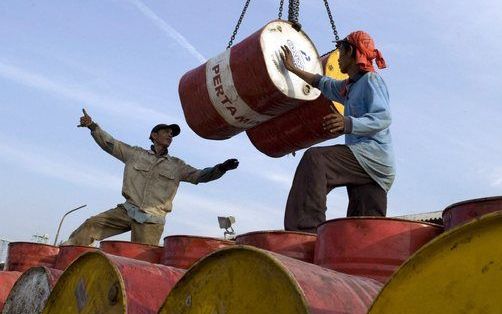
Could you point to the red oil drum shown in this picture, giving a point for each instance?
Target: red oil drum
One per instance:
(23, 255)
(463, 212)
(298, 245)
(144, 252)
(247, 84)
(102, 283)
(183, 251)
(244, 279)
(372, 247)
(68, 253)
(31, 291)
(301, 127)
(7, 281)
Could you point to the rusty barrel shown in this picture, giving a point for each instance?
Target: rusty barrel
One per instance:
(301, 127)
(144, 252)
(7, 281)
(183, 251)
(460, 271)
(247, 84)
(68, 253)
(462, 212)
(23, 255)
(244, 279)
(373, 247)
(102, 283)
(298, 245)
(30, 293)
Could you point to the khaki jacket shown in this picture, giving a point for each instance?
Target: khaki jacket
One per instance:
(151, 182)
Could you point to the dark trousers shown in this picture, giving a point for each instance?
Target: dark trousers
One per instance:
(320, 170)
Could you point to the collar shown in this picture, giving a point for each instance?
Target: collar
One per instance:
(356, 77)
(152, 151)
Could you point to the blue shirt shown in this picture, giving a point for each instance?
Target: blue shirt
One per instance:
(367, 107)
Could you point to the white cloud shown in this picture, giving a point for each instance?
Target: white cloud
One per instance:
(83, 97)
(168, 29)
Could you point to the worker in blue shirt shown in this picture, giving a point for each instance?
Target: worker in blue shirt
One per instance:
(365, 164)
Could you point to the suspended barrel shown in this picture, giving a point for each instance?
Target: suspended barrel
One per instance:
(101, 283)
(247, 84)
(182, 251)
(298, 245)
(370, 246)
(248, 280)
(23, 255)
(458, 272)
(144, 252)
(462, 212)
(301, 127)
(7, 281)
(68, 253)
(30, 293)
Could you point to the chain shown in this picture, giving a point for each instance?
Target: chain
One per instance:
(238, 24)
(293, 14)
(333, 26)
(281, 5)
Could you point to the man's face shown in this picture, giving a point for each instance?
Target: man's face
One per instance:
(163, 137)
(345, 60)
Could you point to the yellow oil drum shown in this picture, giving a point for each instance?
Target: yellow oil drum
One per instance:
(244, 279)
(332, 70)
(102, 283)
(458, 272)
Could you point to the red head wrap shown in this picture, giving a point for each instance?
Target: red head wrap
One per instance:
(365, 51)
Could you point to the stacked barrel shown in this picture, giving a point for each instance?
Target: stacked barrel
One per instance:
(247, 88)
(352, 265)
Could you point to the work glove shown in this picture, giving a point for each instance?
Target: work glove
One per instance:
(229, 164)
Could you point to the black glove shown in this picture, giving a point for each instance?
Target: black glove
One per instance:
(229, 164)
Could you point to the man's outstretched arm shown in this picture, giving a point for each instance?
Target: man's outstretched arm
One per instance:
(195, 176)
(110, 145)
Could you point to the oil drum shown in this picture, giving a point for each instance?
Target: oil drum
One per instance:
(68, 253)
(462, 212)
(183, 251)
(460, 271)
(373, 247)
(7, 281)
(244, 279)
(301, 127)
(247, 84)
(23, 255)
(298, 245)
(30, 293)
(144, 252)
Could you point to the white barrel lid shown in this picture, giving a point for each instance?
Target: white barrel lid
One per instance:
(279, 33)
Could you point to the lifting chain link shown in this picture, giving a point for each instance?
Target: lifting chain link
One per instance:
(230, 43)
(281, 6)
(333, 27)
(293, 14)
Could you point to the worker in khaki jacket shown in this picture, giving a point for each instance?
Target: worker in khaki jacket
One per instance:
(151, 178)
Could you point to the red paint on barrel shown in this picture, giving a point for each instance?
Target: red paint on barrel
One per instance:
(144, 252)
(298, 245)
(463, 212)
(251, 80)
(183, 251)
(7, 281)
(68, 253)
(370, 246)
(23, 255)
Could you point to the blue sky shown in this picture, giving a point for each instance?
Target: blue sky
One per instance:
(122, 60)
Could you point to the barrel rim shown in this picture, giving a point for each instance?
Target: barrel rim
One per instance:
(277, 232)
(263, 253)
(453, 233)
(198, 237)
(129, 243)
(78, 246)
(381, 219)
(33, 243)
(474, 200)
